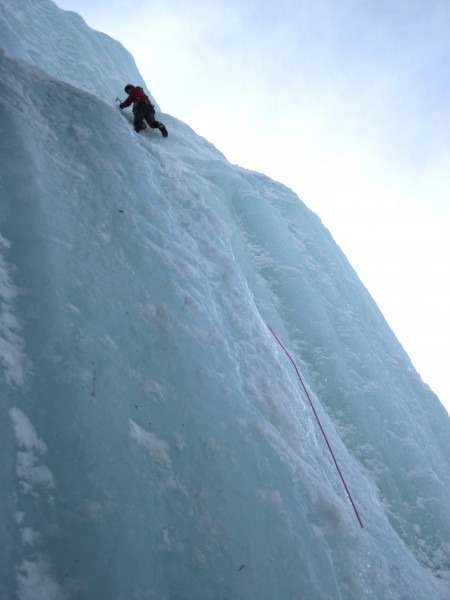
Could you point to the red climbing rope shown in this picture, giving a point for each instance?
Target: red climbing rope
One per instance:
(320, 425)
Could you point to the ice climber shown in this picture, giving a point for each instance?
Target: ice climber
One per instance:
(142, 109)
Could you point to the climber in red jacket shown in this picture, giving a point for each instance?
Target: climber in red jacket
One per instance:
(142, 109)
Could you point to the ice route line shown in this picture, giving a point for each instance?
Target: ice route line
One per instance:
(320, 425)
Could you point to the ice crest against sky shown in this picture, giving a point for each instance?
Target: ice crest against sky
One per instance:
(156, 442)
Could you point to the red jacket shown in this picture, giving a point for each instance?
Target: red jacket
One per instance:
(136, 94)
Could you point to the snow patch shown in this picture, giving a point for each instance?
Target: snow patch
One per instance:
(35, 582)
(25, 433)
(31, 473)
(158, 449)
(12, 346)
(29, 536)
(109, 343)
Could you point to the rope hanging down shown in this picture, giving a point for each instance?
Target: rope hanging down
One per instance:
(320, 425)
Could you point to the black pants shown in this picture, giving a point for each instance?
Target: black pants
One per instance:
(145, 110)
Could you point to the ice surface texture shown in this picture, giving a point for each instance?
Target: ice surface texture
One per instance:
(155, 441)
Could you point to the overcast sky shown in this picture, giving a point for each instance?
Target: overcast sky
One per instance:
(345, 102)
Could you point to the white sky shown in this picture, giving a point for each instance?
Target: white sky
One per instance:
(345, 102)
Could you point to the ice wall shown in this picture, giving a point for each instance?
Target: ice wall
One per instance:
(155, 440)
(60, 43)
